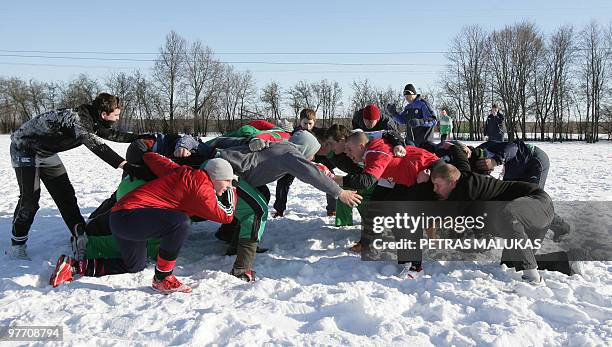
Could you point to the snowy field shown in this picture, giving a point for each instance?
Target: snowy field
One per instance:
(312, 291)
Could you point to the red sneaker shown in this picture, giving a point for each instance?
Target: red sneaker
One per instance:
(170, 284)
(248, 276)
(64, 269)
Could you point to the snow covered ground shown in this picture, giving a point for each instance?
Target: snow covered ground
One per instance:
(312, 291)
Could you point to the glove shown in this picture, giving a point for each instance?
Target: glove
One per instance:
(248, 276)
(138, 172)
(227, 199)
(430, 122)
(256, 144)
(327, 172)
(391, 110)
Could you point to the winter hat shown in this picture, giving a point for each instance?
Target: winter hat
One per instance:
(219, 169)
(371, 112)
(286, 125)
(409, 89)
(305, 142)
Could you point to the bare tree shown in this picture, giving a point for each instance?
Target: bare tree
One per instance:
(594, 57)
(271, 97)
(121, 85)
(467, 75)
(237, 97)
(363, 94)
(167, 73)
(513, 54)
(562, 47)
(202, 76)
(147, 104)
(80, 91)
(328, 95)
(302, 95)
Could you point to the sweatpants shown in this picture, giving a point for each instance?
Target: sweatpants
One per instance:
(132, 229)
(525, 218)
(30, 169)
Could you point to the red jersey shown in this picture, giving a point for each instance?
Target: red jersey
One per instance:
(179, 188)
(381, 163)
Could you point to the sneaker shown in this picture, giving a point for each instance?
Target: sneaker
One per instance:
(170, 284)
(79, 246)
(560, 229)
(411, 272)
(576, 267)
(356, 247)
(576, 259)
(331, 214)
(17, 252)
(533, 277)
(248, 276)
(536, 282)
(278, 214)
(64, 271)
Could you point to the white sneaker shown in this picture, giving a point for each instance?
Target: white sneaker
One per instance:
(577, 267)
(78, 241)
(17, 252)
(533, 277)
(410, 272)
(79, 246)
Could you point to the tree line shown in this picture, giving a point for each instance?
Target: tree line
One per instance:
(558, 83)
(550, 87)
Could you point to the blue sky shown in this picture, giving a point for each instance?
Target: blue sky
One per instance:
(264, 27)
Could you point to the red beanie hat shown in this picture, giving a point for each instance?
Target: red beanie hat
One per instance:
(371, 112)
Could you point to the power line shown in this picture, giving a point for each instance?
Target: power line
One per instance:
(245, 53)
(226, 62)
(256, 71)
(228, 53)
(64, 65)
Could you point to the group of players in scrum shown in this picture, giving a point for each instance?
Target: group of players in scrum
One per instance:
(171, 181)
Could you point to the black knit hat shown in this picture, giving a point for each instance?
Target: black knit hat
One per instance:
(409, 89)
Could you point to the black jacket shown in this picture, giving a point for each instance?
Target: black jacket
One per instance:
(64, 129)
(494, 127)
(475, 187)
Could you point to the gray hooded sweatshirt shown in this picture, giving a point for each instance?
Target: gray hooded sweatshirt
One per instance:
(273, 162)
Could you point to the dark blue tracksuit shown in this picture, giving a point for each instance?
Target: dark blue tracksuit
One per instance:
(522, 162)
(526, 163)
